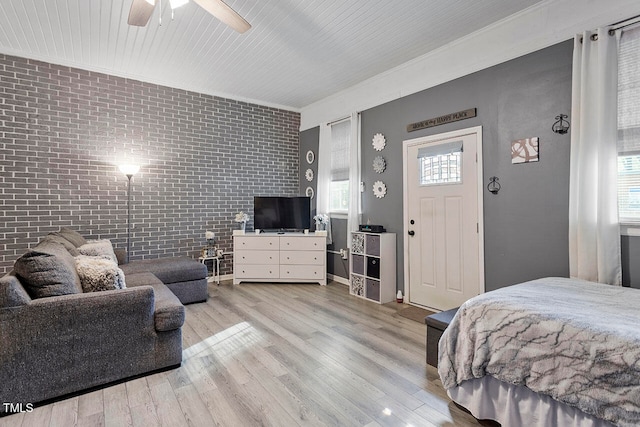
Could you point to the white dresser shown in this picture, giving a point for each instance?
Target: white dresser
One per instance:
(273, 257)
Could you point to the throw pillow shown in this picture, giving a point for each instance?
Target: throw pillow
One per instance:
(99, 274)
(48, 270)
(64, 242)
(70, 236)
(99, 248)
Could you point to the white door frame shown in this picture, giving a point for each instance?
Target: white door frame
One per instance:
(405, 200)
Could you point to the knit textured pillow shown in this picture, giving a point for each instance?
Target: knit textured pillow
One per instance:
(99, 274)
(48, 270)
(99, 248)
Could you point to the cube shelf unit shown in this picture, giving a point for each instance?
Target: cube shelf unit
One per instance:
(372, 266)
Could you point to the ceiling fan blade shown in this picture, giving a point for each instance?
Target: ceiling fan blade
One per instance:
(223, 12)
(140, 12)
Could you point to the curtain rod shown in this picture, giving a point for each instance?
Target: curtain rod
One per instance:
(624, 24)
(341, 119)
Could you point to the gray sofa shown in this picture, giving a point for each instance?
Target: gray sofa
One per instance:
(56, 339)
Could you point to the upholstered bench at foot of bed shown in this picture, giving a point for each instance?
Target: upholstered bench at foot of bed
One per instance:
(185, 277)
(436, 324)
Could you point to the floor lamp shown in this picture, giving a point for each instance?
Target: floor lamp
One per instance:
(129, 171)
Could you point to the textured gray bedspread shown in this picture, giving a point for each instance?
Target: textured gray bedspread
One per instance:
(577, 341)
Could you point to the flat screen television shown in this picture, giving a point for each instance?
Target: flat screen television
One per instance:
(282, 213)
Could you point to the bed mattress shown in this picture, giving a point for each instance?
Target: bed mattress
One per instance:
(575, 341)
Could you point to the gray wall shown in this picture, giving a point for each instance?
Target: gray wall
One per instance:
(309, 140)
(63, 131)
(526, 224)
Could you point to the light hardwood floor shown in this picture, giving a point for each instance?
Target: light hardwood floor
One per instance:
(277, 355)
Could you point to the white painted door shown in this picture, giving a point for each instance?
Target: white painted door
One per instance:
(443, 253)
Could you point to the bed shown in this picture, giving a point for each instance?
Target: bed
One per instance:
(550, 352)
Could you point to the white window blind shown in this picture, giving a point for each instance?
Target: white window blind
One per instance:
(340, 149)
(340, 136)
(629, 126)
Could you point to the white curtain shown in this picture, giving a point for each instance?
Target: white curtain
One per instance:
(324, 175)
(355, 205)
(594, 230)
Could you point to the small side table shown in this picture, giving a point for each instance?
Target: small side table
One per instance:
(215, 259)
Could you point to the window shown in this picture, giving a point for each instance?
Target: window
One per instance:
(441, 164)
(629, 127)
(339, 185)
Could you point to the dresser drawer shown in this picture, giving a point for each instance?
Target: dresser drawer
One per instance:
(255, 242)
(302, 243)
(303, 272)
(302, 257)
(251, 271)
(256, 257)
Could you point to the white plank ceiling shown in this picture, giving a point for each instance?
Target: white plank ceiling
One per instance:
(298, 51)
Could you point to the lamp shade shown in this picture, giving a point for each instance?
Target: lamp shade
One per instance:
(129, 169)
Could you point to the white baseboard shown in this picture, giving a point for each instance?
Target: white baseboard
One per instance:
(338, 279)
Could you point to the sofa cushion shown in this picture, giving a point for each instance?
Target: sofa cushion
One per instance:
(99, 248)
(169, 312)
(169, 270)
(70, 247)
(48, 270)
(71, 236)
(99, 274)
(12, 293)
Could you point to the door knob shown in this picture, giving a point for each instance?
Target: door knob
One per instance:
(411, 232)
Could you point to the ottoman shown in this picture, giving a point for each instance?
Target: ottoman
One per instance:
(436, 324)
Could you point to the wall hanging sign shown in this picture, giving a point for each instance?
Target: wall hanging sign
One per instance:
(442, 120)
(524, 150)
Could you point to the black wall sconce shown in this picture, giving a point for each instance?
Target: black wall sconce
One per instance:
(494, 186)
(561, 125)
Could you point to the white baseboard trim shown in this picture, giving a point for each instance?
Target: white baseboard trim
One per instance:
(338, 279)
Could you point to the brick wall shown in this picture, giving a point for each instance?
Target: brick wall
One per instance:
(64, 131)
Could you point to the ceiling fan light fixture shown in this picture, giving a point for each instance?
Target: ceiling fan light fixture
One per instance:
(177, 3)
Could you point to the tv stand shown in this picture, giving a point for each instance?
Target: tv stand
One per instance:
(280, 257)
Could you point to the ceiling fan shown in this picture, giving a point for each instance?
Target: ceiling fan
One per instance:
(141, 11)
